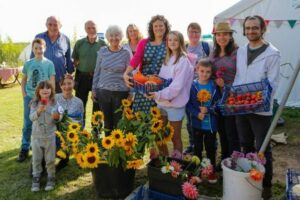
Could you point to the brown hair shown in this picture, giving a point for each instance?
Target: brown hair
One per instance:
(66, 76)
(261, 20)
(181, 51)
(38, 41)
(41, 85)
(194, 25)
(140, 36)
(231, 46)
(150, 26)
(205, 62)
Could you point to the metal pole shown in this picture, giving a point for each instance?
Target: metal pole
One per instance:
(280, 109)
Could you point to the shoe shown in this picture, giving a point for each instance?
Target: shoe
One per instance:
(62, 163)
(35, 187)
(23, 155)
(189, 150)
(267, 193)
(212, 178)
(50, 184)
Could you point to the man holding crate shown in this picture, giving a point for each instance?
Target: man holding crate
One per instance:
(257, 60)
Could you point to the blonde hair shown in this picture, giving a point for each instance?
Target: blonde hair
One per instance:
(140, 36)
(181, 51)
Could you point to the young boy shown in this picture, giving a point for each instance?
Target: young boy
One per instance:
(203, 97)
(35, 70)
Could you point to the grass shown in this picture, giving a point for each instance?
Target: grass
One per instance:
(72, 182)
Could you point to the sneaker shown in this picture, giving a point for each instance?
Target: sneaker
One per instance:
(50, 183)
(266, 193)
(189, 150)
(212, 178)
(35, 187)
(23, 155)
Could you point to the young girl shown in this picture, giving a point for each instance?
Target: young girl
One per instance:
(203, 97)
(172, 100)
(44, 114)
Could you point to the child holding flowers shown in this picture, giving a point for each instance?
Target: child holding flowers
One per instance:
(44, 114)
(203, 96)
(172, 100)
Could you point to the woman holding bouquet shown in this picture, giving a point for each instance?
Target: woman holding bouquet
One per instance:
(224, 69)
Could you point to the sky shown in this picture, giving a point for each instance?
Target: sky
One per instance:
(23, 19)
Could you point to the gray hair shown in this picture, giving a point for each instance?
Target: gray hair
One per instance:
(54, 18)
(114, 29)
(89, 22)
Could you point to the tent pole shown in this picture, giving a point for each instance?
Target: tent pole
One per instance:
(280, 109)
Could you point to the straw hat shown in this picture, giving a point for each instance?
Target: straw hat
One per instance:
(222, 27)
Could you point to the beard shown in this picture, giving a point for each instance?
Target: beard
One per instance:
(254, 38)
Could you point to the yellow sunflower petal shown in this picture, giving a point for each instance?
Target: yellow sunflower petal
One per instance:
(74, 126)
(126, 103)
(155, 112)
(107, 142)
(92, 148)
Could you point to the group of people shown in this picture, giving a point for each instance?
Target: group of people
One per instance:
(106, 70)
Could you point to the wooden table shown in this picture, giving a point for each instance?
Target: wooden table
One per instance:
(8, 72)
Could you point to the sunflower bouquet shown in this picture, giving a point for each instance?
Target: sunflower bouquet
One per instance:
(123, 147)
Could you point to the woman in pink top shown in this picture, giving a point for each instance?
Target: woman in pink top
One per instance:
(172, 99)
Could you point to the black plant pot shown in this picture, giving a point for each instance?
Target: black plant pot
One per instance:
(111, 182)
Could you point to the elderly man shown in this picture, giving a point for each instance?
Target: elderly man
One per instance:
(58, 49)
(85, 56)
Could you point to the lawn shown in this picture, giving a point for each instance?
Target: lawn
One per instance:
(75, 183)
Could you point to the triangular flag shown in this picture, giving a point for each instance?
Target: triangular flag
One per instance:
(292, 23)
(278, 23)
(267, 22)
(231, 21)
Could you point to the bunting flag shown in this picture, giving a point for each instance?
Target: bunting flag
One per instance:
(278, 23)
(267, 22)
(231, 21)
(292, 23)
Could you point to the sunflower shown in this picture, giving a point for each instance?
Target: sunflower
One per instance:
(138, 116)
(117, 134)
(120, 143)
(91, 160)
(80, 160)
(63, 146)
(128, 150)
(128, 113)
(108, 142)
(74, 149)
(155, 112)
(130, 140)
(156, 125)
(58, 134)
(134, 164)
(92, 148)
(97, 117)
(74, 126)
(86, 134)
(60, 153)
(203, 96)
(166, 137)
(126, 102)
(72, 136)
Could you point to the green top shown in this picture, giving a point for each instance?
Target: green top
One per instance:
(86, 53)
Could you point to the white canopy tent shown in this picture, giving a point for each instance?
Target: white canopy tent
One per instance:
(283, 20)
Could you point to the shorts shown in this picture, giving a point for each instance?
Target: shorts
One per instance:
(173, 114)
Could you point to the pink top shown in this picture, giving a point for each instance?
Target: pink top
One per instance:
(178, 92)
(137, 59)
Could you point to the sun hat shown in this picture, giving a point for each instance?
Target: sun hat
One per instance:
(222, 27)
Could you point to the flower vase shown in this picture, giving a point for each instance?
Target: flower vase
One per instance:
(112, 182)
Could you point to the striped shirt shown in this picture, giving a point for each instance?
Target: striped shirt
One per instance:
(110, 67)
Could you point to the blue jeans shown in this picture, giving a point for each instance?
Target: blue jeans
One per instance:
(27, 124)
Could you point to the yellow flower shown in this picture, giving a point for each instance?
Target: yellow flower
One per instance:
(117, 134)
(92, 148)
(97, 117)
(63, 146)
(130, 140)
(74, 126)
(126, 102)
(120, 143)
(138, 116)
(58, 134)
(91, 160)
(166, 136)
(74, 149)
(72, 136)
(134, 164)
(128, 113)
(80, 160)
(60, 153)
(107, 142)
(203, 96)
(128, 150)
(86, 134)
(155, 112)
(156, 125)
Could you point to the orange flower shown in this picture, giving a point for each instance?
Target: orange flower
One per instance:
(256, 175)
(203, 96)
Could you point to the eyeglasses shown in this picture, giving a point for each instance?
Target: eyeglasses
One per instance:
(193, 32)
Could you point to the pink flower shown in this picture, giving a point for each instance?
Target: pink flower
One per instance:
(176, 165)
(174, 174)
(195, 180)
(255, 157)
(207, 171)
(190, 191)
(176, 154)
(236, 155)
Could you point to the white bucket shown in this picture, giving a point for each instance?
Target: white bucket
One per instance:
(239, 185)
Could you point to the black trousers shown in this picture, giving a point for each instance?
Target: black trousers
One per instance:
(252, 131)
(208, 140)
(109, 102)
(83, 85)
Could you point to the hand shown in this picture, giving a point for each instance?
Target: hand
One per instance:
(220, 82)
(150, 95)
(128, 80)
(41, 109)
(201, 116)
(55, 116)
(203, 109)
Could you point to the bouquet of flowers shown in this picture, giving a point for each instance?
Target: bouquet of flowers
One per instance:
(124, 146)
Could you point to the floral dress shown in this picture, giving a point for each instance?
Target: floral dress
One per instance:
(152, 62)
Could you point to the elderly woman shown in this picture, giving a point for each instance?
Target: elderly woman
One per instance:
(133, 35)
(109, 87)
(149, 57)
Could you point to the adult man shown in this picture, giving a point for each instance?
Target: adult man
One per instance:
(85, 56)
(257, 60)
(58, 49)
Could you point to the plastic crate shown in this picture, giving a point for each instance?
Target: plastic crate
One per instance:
(292, 178)
(263, 106)
(149, 87)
